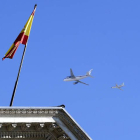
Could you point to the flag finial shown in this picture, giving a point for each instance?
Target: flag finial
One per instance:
(35, 6)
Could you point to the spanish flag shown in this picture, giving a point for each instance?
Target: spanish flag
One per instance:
(22, 37)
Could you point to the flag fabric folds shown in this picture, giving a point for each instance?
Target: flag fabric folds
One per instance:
(22, 37)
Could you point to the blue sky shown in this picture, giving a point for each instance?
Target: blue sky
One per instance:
(103, 35)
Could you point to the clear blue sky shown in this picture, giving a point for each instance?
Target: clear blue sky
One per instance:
(78, 34)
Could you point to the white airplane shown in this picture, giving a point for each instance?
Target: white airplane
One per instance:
(118, 86)
(77, 78)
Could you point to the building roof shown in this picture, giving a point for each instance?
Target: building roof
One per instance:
(50, 123)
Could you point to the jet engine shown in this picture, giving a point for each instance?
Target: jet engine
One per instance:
(75, 83)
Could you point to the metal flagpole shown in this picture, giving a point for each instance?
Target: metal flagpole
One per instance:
(16, 83)
(12, 98)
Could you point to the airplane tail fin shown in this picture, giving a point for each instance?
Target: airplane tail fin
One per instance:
(122, 84)
(89, 73)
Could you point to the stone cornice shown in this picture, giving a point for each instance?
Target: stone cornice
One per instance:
(54, 112)
(29, 111)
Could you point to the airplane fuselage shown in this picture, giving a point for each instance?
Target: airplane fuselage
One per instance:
(75, 78)
(118, 86)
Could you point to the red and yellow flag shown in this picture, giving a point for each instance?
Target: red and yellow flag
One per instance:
(22, 37)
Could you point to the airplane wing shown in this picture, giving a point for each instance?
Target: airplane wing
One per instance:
(119, 88)
(71, 73)
(82, 82)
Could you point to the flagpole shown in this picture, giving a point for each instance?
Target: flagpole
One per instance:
(16, 83)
